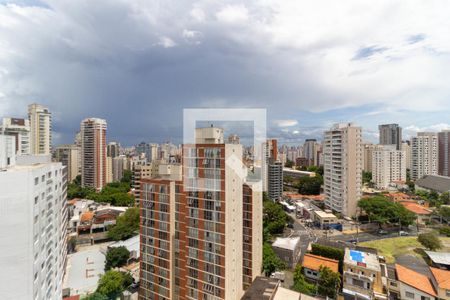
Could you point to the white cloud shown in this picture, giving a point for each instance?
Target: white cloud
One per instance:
(192, 36)
(233, 14)
(166, 42)
(285, 123)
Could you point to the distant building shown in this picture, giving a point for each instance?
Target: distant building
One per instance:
(440, 260)
(93, 153)
(20, 129)
(275, 180)
(388, 165)
(34, 227)
(68, 155)
(407, 148)
(343, 168)
(310, 149)
(7, 151)
(368, 150)
(118, 166)
(288, 250)
(424, 155)
(233, 139)
(391, 134)
(113, 149)
(444, 153)
(40, 129)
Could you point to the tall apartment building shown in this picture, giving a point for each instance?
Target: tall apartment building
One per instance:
(93, 153)
(424, 155)
(407, 148)
(20, 129)
(368, 150)
(113, 149)
(40, 129)
(68, 155)
(388, 165)
(141, 172)
(342, 168)
(118, 166)
(444, 153)
(33, 239)
(274, 179)
(391, 134)
(310, 149)
(195, 243)
(7, 151)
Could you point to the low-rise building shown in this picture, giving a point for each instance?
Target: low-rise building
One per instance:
(362, 275)
(423, 214)
(288, 249)
(312, 263)
(433, 183)
(413, 285)
(324, 219)
(439, 260)
(441, 281)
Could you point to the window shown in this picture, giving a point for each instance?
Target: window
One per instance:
(36, 181)
(409, 295)
(36, 199)
(447, 293)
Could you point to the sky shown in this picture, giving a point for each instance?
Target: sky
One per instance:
(139, 63)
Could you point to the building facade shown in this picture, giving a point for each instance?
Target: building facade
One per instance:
(68, 155)
(20, 129)
(444, 153)
(34, 229)
(192, 225)
(391, 134)
(388, 165)
(93, 153)
(424, 155)
(40, 129)
(343, 168)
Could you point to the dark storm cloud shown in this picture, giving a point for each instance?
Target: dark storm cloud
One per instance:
(139, 63)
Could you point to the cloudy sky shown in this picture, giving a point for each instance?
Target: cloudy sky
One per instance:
(138, 63)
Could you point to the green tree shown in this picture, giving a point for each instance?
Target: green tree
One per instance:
(112, 284)
(381, 210)
(271, 262)
(329, 282)
(310, 185)
(330, 252)
(95, 296)
(444, 198)
(116, 257)
(444, 211)
(366, 177)
(127, 175)
(127, 225)
(274, 217)
(300, 283)
(289, 164)
(430, 241)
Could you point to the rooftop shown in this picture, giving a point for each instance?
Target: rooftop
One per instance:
(362, 259)
(441, 258)
(415, 208)
(314, 262)
(415, 280)
(324, 214)
(262, 288)
(434, 182)
(442, 278)
(286, 243)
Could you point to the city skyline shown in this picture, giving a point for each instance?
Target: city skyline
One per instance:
(257, 54)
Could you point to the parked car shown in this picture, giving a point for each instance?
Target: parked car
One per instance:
(354, 241)
(278, 275)
(403, 233)
(382, 232)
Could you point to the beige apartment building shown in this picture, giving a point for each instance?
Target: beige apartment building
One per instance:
(388, 165)
(424, 155)
(93, 153)
(40, 129)
(20, 129)
(201, 225)
(342, 168)
(68, 155)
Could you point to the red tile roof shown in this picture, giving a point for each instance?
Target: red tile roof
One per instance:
(314, 262)
(415, 208)
(442, 278)
(415, 280)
